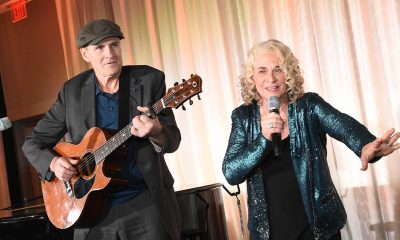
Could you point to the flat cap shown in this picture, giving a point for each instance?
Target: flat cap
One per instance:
(96, 31)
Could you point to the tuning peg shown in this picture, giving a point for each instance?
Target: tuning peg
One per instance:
(183, 107)
(190, 101)
(191, 75)
(198, 96)
(176, 84)
(183, 80)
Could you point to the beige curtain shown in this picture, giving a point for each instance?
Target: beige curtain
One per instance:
(72, 15)
(350, 54)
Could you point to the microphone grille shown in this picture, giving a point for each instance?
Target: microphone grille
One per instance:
(273, 102)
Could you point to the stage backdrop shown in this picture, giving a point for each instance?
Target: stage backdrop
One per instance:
(350, 54)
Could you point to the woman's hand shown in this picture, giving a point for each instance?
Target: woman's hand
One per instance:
(380, 147)
(270, 123)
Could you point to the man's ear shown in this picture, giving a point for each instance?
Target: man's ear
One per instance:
(84, 54)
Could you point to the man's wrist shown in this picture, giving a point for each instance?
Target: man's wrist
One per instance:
(49, 175)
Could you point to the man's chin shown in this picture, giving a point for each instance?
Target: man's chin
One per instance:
(113, 72)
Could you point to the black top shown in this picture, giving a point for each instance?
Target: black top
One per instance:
(287, 217)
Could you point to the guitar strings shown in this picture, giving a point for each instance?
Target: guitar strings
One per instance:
(88, 160)
(97, 154)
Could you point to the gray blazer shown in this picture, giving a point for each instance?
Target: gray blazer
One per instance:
(74, 112)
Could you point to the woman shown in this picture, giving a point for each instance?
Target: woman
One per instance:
(291, 196)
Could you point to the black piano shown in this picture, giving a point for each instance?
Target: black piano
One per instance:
(30, 222)
(201, 208)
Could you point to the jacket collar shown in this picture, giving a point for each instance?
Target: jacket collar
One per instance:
(88, 98)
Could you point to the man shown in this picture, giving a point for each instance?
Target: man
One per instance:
(111, 96)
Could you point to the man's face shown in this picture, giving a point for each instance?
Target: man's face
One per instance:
(105, 58)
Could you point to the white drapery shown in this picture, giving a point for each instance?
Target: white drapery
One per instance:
(350, 54)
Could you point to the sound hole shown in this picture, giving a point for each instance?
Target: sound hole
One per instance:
(87, 165)
(86, 168)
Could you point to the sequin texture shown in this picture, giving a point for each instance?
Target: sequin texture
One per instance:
(309, 119)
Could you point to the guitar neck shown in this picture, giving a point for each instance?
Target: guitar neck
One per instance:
(173, 99)
(120, 137)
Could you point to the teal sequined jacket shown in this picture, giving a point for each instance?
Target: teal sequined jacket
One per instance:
(309, 119)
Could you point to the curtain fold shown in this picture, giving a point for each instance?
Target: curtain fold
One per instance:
(350, 54)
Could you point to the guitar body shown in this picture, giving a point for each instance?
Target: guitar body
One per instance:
(90, 188)
(80, 201)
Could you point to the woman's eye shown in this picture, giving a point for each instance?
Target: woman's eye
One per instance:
(278, 70)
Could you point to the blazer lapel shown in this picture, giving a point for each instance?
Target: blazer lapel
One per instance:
(135, 95)
(88, 101)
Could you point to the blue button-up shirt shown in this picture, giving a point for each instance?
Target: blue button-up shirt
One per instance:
(107, 106)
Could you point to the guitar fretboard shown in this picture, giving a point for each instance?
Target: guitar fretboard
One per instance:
(119, 138)
(184, 90)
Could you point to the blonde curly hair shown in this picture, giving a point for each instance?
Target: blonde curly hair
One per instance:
(289, 64)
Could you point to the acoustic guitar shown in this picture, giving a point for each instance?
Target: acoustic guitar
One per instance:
(80, 200)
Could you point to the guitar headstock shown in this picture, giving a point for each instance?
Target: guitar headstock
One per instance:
(179, 94)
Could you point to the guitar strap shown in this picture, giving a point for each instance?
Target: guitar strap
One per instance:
(123, 109)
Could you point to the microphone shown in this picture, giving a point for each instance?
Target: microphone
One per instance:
(273, 106)
(5, 123)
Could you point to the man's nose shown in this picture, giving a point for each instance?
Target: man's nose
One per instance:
(109, 51)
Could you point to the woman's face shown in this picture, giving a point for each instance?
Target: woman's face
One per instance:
(268, 76)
